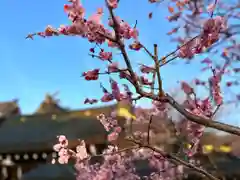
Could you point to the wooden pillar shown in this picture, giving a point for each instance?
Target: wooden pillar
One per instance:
(4, 173)
(7, 165)
(19, 172)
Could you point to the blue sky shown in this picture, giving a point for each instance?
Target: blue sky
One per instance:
(30, 69)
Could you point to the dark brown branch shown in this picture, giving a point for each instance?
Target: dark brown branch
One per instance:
(216, 110)
(191, 117)
(149, 128)
(147, 51)
(107, 37)
(123, 50)
(202, 120)
(160, 93)
(175, 159)
(74, 156)
(215, 3)
(189, 165)
(137, 98)
(154, 73)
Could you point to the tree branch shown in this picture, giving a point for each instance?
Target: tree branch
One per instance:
(167, 98)
(149, 128)
(202, 120)
(160, 93)
(123, 50)
(175, 159)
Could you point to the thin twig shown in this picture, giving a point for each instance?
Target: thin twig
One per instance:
(123, 50)
(208, 122)
(216, 110)
(137, 98)
(96, 56)
(214, 165)
(160, 93)
(74, 155)
(173, 52)
(108, 37)
(107, 72)
(175, 159)
(154, 73)
(147, 51)
(168, 61)
(215, 4)
(149, 128)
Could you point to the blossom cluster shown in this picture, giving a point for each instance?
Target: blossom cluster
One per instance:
(209, 35)
(117, 164)
(91, 28)
(64, 153)
(111, 126)
(200, 107)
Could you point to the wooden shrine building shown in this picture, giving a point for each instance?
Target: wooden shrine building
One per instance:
(8, 109)
(26, 141)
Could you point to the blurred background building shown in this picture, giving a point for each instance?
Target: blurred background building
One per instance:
(26, 141)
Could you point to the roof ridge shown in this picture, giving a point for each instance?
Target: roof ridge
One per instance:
(67, 112)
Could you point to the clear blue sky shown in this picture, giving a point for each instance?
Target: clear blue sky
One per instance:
(29, 69)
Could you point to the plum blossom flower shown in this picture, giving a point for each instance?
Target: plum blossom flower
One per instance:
(62, 149)
(63, 140)
(107, 97)
(207, 61)
(145, 81)
(134, 33)
(113, 3)
(75, 8)
(126, 75)
(146, 69)
(211, 7)
(128, 94)
(215, 89)
(96, 18)
(111, 126)
(187, 88)
(115, 89)
(113, 67)
(113, 136)
(81, 151)
(105, 55)
(91, 75)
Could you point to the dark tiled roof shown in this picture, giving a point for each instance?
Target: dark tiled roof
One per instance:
(38, 132)
(226, 163)
(51, 172)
